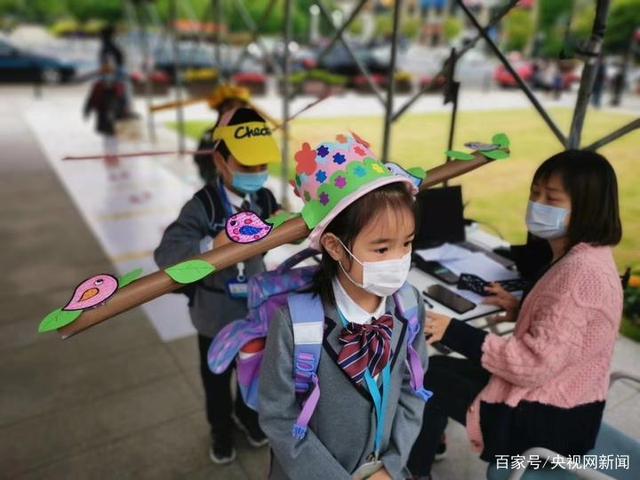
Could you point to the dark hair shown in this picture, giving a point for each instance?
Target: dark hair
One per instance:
(350, 222)
(242, 115)
(107, 32)
(591, 184)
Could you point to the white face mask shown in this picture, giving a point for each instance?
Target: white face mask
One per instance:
(382, 278)
(545, 221)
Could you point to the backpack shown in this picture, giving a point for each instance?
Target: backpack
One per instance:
(243, 340)
(209, 197)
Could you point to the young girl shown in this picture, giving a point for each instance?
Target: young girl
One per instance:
(367, 413)
(546, 385)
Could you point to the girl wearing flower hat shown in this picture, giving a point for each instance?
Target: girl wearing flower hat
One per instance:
(367, 413)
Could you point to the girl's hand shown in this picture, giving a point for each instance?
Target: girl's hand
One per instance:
(503, 299)
(381, 474)
(435, 326)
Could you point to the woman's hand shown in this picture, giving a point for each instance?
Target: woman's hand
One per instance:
(503, 299)
(434, 326)
(381, 474)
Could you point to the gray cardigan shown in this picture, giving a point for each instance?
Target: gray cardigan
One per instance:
(211, 308)
(342, 429)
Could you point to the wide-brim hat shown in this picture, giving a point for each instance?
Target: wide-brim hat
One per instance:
(335, 174)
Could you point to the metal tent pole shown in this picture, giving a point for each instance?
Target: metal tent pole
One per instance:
(521, 83)
(391, 82)
(286, 98)
(593, 52)
(177, 76)
(616, 134)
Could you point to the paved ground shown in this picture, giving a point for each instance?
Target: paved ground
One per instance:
(118, 401)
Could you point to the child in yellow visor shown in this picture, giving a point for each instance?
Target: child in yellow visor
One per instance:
(243, 146)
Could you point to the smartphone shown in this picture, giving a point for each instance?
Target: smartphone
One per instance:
(437, 270)
(449, 299)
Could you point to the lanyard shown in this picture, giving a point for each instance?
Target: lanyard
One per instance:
(225, 199)
(227, 206)
(380, 402)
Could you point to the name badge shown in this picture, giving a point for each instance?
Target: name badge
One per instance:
(237, 289)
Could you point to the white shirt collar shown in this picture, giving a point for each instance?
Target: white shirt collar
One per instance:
(351, 310)
(234, 199)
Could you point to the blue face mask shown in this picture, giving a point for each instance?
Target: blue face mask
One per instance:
(249, 182)
(545, 221)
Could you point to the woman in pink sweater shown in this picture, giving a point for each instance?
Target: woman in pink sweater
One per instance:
(546, 385)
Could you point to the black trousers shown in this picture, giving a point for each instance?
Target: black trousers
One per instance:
(217, 392)
(455, 383)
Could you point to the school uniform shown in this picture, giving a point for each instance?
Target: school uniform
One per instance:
(342, 430)
(210, 306)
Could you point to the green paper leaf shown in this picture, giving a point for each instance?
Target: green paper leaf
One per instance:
(58, 319)
(459, 155)
(129, 277)
(190, 271)
(418, 172)
(501, 139)
(280, 218)
(496, 154)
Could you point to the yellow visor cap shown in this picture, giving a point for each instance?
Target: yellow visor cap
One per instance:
(251, 143)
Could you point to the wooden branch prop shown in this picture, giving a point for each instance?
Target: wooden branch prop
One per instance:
(159, 283)
(171, 105)
(140, 154)
(194, 101)
(305, 108)
(277, 125)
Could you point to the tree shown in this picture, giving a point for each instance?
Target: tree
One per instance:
(624, 18)
(518, 29)
(453, 27)
(552, 21)
(83, 10)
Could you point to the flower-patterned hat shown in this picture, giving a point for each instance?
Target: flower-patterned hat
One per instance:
(332, 176)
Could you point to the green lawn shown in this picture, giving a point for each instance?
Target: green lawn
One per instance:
(495, 194)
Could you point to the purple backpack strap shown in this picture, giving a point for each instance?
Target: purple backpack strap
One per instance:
(295, 259)
(307, 318)
(407, 306)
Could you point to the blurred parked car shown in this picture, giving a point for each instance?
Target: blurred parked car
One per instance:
(18, 65)
(339, 61)
(503, 78)
(535, 75)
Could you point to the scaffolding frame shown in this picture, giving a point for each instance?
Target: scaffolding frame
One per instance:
(591, 55)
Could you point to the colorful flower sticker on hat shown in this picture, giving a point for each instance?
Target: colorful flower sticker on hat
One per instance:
(337, 173)
(305, 160)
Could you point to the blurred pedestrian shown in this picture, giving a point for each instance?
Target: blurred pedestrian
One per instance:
(107, 99)
(598, 83)
(617, 85)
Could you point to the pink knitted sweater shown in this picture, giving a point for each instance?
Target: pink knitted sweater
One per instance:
(561, 349)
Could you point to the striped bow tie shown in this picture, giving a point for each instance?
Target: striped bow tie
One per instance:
(365, 346)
